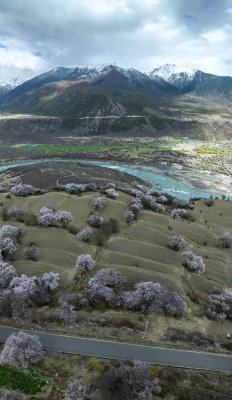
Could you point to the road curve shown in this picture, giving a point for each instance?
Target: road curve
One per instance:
(124, 351)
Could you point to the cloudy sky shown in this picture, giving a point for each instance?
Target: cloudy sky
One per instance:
(37, 35)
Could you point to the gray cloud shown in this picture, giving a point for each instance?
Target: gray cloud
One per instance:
(36, 36)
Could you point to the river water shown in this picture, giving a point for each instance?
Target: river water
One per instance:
(185, 184)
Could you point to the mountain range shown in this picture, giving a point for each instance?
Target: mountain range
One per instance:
(105, 91)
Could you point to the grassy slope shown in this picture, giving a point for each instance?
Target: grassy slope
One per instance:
(139, 250)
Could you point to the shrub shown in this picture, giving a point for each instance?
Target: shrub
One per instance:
(95, 220)
(85, 262)
(96, 365)
(31, 252)
(21, 350)
(85, 234)
(99, 202)
(130, 380)
(225, 240)
(17, 213)
(129, 216)
(179, 213)
(177, 243)
(210, 201)
(220, 304)
(90, 187)
(111, 193)
(9, 395)
(110, 185)
(178, 203)
(67, 313)
(78, 391)
(109, 227)
(193, 263)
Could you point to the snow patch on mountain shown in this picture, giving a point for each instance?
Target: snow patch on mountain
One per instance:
(9, 85)
(169, 72)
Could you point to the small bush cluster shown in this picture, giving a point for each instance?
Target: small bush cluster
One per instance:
(193, 263)
(177, 243)
(128, 380)
(198, 338)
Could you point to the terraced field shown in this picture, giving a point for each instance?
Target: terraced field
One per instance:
(139, 251)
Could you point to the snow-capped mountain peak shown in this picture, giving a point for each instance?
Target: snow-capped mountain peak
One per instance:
(7, 86)
(168, 71)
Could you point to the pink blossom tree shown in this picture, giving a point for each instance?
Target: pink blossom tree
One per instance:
(220, 304)
(21, 350)
(225, 240)
(85, 263)
(193, 263)
(85, 234)
(177, 243)
(99, 202)
(7, 273)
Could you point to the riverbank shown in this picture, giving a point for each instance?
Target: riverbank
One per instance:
(180, 183)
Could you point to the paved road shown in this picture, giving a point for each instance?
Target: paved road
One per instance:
(124, 351)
